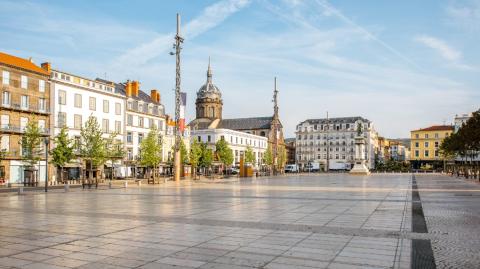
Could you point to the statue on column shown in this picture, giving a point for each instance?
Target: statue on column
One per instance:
(359, 168)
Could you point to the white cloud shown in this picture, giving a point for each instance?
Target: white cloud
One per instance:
(441, 47)
(211, 16)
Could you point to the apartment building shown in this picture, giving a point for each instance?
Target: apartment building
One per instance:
(333, 139)
(425, 145)
(25, 97)
(74, 100)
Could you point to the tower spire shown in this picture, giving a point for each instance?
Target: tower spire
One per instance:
(209, 72)
(275, 99)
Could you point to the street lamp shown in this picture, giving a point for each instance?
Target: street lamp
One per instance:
(46, 163)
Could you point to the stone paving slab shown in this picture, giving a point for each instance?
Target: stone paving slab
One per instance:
(304, 221)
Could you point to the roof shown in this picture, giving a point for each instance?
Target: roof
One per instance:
(436, 128)
(200, 124)
(142, 96)
(336, 120)
(21, 63)
(246, 123)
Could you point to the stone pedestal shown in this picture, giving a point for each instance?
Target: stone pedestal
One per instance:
(359, 168)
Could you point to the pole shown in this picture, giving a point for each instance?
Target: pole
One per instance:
(46, 164)
(178, 41)
(327, 165)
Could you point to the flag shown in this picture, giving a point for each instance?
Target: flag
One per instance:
(183, 104)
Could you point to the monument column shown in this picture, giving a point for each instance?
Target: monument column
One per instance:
(359, 168)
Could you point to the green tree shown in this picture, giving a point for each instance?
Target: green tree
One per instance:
(207, 156)
(151, 150)
(184, 156)
(115, 151)
(63, 152)
(195, 155)
(92, 146)
(224, 153)
(249, 155)
(31, 142)
(282, 157)
(268, 156)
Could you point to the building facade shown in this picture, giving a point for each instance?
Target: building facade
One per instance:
(74, 100)
(333, 141)
(25, 98)
(209, 109)
(290, 148)
(425, 145)
(237, 141)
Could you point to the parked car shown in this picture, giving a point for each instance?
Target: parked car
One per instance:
(291, 168)
(312, 167)
(233, 171)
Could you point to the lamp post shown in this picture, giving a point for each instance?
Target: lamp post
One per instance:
(46, 163)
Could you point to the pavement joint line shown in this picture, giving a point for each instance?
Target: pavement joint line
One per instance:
(258, 225)
(402, 227)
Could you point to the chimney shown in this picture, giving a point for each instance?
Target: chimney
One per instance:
(47, 67)
(158, 97)
(128, 88)
(135, 88)
(153, 95)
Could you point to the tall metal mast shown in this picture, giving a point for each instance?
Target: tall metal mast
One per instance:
(327, 166)
(275, 128)
(178, 48)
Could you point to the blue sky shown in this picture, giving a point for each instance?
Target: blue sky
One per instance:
(401, 64)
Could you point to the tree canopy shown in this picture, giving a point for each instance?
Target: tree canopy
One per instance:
(224, 153)
(249, 155)
(465, 142)
(31, 143)
(151, 149)
(63, 152)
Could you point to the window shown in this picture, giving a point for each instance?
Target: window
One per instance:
(77, 121)
(23, 123)
(426, 144)
(6, 77)
(199, 138)
(24, 82)
(129, 137)
(42, 104)
(5, 121)
(92, 103)
(130, 154)
(150, 123)
(41, 125)
(426, 136)
(436, 153)
(78, 100)
(118, 109)
(436, 135)
(105, 125)
(436, 144)
(129, 105)
(417, 153)
(41, 85)
(24, 101)
(118, 127)
(416, 136)
(140, 121)
(129, 120)
(105, 106)
(209, 139)
(417, 144)
(5, 143)
(140, 138)
(426, 153)
(62, 119)
(62, 97)
(6, 98)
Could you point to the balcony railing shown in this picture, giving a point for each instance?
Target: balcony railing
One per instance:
(29, 108)
(10, 128)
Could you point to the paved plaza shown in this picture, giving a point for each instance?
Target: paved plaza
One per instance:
(299, 221)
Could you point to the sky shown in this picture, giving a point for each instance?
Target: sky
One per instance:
(401, 64)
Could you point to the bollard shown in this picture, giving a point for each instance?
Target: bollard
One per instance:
(20, 190)
(139, 183)
(110, 184)
(125, 184)
(66, 187)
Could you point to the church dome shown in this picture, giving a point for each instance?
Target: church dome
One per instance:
(209, 90)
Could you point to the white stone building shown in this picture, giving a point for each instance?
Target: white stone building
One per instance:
(74, 99)
(237, 141)
(316, 137)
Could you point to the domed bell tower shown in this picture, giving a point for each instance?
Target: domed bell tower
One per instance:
(209, 99)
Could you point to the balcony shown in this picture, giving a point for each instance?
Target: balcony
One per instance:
(13, 106)
(15, 129)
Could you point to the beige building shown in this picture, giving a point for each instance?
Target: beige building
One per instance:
(25, 97)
